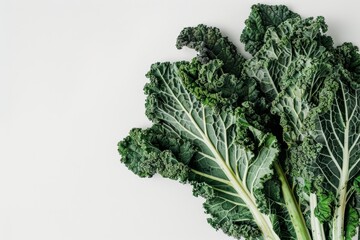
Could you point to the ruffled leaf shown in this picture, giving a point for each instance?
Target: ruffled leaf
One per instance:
(235, 175)
(211, 44)
(261, 18)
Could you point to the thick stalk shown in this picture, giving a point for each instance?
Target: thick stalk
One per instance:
(317, 228)
(262, 220)
(296, 216)
(339, 215)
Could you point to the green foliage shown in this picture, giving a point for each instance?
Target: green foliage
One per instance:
(216, 88)
(272, 143)
(211, 44)
(323, 210)
(351, 223)
(150, 151)
(261, 18)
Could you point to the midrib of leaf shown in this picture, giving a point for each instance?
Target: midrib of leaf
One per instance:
(339, 216)
(316, 226)
(262, 220)
(293, 206)
(341, 118)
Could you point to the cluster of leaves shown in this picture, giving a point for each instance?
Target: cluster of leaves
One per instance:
(272, 143)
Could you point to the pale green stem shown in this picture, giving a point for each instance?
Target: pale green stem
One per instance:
(296, 216)
(317, 228)
(338, 231)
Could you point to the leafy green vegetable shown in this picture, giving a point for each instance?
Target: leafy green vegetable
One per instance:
(210, 44)
(261, 18)
(272, 143)
(338, 161)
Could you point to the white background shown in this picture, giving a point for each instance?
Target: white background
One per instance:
(71, 79)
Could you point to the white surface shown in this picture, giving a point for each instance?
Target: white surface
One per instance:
(71, 79)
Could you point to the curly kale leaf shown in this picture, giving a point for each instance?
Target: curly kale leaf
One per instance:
(151, 151)
(261, 18)
(215, 88)
(348, 56)
(230, 177)
(338, 161)
(294, 71)
(230, 127)
(211, 44)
